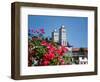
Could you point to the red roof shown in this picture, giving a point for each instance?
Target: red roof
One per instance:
(77, 49)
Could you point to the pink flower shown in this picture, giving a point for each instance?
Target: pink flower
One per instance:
(45, 62)
(51, 56)
(61, 50)
(51, 48)
(62, 62)
(42, 30)
(59, 58)
(48, 56)
(44, 43)
(64, 49)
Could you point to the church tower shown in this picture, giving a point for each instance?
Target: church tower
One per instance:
(55, 36)
(63, 36)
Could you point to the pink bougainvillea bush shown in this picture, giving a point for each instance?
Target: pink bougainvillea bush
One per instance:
(43, 52)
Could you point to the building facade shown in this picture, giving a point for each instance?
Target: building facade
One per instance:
(61, 36)
(80, 55)
(55, 36)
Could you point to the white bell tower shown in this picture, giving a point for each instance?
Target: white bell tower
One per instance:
(55, 36)
(63, 36)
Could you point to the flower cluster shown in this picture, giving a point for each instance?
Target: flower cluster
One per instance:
(41, 30)
(36, 32)
(42, 52)
(53, 55)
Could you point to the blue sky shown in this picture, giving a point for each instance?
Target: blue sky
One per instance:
(77, 27)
